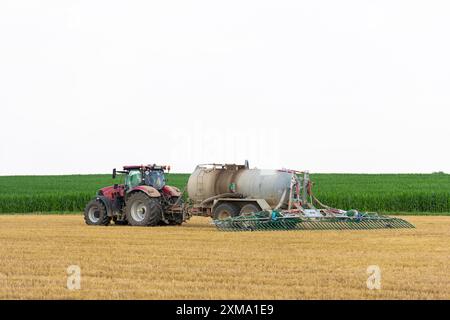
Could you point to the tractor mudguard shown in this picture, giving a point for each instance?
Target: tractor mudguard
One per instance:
(107, 203)
(150, 191)
(172, 191)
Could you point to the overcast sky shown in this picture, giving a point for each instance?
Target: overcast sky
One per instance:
(325, 86)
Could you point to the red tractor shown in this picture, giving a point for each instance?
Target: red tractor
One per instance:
(143, 200)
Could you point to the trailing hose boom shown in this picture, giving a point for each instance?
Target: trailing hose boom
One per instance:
(272, 200)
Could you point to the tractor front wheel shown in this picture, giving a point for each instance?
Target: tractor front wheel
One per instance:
(141, 210)
(95, 214)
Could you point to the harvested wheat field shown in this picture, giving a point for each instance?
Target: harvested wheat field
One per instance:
(194, 261)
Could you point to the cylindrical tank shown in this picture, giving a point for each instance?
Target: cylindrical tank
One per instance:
(209, 181)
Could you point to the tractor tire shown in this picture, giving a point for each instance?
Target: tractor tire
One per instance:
(95, 214)
(250, 208)
(141, 210)
(225, 210)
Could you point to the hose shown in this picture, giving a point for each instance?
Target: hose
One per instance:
(320, 203)
(223, 195)
(281, 200)
(180, 197)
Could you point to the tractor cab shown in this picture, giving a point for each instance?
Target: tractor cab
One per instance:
(150, 175)
(155, 179)
(133, 179)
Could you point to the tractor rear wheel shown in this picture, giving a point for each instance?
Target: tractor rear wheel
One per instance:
(95, 214)
(225, 210)
(141, 210)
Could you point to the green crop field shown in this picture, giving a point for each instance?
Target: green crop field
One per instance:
(69, 193)
(385, 193)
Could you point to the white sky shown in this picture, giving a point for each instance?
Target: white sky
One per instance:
(326, 86)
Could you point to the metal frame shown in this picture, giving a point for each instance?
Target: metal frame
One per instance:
(301, 214)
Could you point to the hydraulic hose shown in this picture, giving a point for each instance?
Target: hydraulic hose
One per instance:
(223, 195)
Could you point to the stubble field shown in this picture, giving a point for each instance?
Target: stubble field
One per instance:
(195, 261)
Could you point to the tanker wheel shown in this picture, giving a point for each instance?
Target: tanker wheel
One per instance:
(250, 208)
(225, 210)
(95, 214)
(141, 210)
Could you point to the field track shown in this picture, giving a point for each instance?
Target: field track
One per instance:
(194, 261)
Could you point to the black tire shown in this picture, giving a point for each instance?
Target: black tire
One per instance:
(95, 214)
(225, 210)
(249, 209)
(141, 210)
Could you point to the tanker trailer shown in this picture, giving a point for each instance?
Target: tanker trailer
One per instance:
(229, 190)
(242, 199)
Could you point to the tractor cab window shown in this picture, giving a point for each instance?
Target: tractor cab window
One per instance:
(133, 179)
(155, 179)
